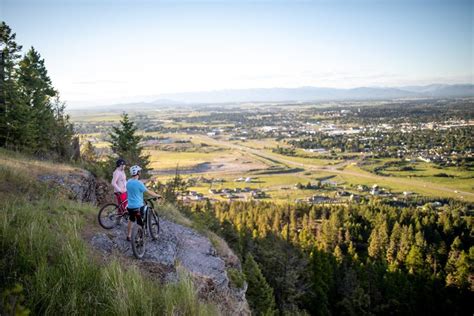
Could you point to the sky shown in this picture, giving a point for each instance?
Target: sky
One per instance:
(121, 51)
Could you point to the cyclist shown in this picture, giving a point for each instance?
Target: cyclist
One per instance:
(119, 182)
(135, 189)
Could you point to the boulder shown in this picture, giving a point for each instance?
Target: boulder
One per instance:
(80, 185)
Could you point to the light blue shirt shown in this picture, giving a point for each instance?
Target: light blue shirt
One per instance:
(135, 190)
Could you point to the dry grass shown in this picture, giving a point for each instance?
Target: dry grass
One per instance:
(34, 167)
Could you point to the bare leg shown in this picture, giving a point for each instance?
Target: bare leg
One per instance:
(129, 231)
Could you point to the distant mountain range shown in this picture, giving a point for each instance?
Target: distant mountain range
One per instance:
(302, 94)
(319, 94)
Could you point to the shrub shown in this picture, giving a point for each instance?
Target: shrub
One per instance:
(237, 279)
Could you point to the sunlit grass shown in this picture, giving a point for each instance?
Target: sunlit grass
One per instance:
(171, 159)
(423, 172)
(13, 160)
(398, 184)
(41, 248)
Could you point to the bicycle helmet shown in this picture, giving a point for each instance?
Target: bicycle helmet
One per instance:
(134, 170)
(120, 162)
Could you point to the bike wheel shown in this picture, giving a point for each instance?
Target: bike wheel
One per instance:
(108, 215)
(153, 224)
(125, 218)
(138, 241)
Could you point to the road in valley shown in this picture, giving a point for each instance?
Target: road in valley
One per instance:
(339, 169)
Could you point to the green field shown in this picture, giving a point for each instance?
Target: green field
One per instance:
(421, 186)
(170, 159)
(96, 117)
(276, 173)
(450, 177)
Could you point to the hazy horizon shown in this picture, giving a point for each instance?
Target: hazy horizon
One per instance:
(121, 51)
(283, 95)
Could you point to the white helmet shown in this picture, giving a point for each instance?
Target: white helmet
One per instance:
(134, 170)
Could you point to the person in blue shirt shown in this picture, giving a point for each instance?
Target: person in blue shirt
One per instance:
(135, 191)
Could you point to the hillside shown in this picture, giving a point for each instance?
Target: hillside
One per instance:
(55, 259)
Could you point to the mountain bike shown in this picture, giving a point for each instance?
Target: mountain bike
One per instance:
(150, 227)
(112, 214)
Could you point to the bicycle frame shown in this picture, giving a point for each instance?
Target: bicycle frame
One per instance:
(142, 231)
(149, 204)
(122, 206)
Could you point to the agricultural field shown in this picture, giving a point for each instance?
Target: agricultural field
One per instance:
(277, 148)
(452, 177)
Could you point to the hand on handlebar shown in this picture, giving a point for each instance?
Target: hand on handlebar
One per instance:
(155, 198)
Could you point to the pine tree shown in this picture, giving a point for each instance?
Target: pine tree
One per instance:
(259, 293)
(88, 153)
(457, 267)
(11, 105)
(322, 278)
(75, 148)
(338, 254)
(406, 241)
(374, 244)
(31, 115)
(276, 223)
(351, 251)
(62, 136)
(393, 247)
(126, 145)
(37, 90)
(378, 241)
(414, 260)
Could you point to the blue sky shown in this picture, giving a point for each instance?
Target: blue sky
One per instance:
(126, 50)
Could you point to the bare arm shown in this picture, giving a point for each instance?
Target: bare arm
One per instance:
(153, 194)
(114, 182)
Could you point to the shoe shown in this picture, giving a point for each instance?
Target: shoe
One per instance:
(129, 239)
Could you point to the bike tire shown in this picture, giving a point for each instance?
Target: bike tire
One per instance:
(153, 224)
(138, 241)
(108, 215)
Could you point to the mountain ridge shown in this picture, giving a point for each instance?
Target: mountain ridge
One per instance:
(299, 94)
(310, 93)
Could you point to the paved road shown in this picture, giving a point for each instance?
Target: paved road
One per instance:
(334, 169)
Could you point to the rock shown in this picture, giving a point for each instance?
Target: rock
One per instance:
(183, 246)
(80, 185)
(104, 192)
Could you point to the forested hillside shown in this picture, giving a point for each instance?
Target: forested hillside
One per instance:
(353, 259)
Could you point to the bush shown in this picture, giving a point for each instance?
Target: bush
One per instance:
(443, 175)
(237, 279)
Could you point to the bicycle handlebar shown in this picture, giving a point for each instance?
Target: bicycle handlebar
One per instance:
(153, 198)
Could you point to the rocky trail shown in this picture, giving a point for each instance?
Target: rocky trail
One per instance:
(175, 243)
(181, 246)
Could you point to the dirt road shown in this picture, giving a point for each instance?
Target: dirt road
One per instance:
(410, 183)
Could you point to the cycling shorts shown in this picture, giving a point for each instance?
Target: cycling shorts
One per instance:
(137, 214)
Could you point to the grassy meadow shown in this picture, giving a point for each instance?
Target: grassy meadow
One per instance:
(48, 268)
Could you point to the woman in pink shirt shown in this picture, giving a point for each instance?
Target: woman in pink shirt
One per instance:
(119, 182)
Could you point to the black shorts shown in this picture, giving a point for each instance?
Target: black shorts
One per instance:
(136, 214)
